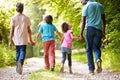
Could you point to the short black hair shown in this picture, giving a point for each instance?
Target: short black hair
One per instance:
(49, 19)
(19, 7)
(64, 27)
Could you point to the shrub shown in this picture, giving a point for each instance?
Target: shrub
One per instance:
(7, 57)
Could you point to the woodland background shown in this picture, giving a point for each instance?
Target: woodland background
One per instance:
(61, 10)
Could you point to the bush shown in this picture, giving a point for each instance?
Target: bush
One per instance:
(7, 57)
(111, 55)
(2, 60)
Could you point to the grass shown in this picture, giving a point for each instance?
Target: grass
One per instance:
(80, 57)
(43, 74)
(109, 60)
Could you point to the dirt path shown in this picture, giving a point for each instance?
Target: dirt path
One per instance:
(80, 71)
(32, 65)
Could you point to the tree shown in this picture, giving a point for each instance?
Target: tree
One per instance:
(5, 16)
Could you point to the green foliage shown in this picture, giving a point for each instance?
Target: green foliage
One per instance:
(4, 25)
(114, 23)
(36, 16)
(111, 54)
(5, 15)
(2, 60)
(80, 57)
(37, 49)
(34, 51)
(7, 57)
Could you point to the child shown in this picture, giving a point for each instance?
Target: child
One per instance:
(19, 34)
(48, 37)
(67, 45)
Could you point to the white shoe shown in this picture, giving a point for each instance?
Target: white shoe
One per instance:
(99, 66)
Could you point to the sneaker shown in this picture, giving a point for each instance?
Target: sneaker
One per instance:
(99, 66)
(62, 69)
(91, 73)
(19, 68)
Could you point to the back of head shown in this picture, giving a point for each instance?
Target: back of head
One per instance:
(64, 27)
(90, 0)
(84, 2)
(48, 19)
(19, 7)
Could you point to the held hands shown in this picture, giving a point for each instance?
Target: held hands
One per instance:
(81, 38)
(32, 43)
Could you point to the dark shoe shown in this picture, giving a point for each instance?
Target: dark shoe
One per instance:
(19, 68)
(70, 71)
(52, 69)
(99, 66)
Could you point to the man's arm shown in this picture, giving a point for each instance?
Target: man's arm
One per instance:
(82, 27)
(103, 26)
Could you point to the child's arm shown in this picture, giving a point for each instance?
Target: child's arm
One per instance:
(37, 37)
(59, 34)
(74, 38)
(11, 36)
(62, 40)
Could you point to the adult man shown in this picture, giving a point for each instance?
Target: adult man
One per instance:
(93, 17)
(20, 32)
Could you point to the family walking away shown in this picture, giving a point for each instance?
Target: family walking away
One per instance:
(93, 17)
(93, 21)
(19, 33)
(66, 46)
(47, 32)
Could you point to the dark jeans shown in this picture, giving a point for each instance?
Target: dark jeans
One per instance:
(93, 43)
(64, 58)
(20, 53)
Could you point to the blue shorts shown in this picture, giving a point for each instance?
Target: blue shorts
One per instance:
(67, 50)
